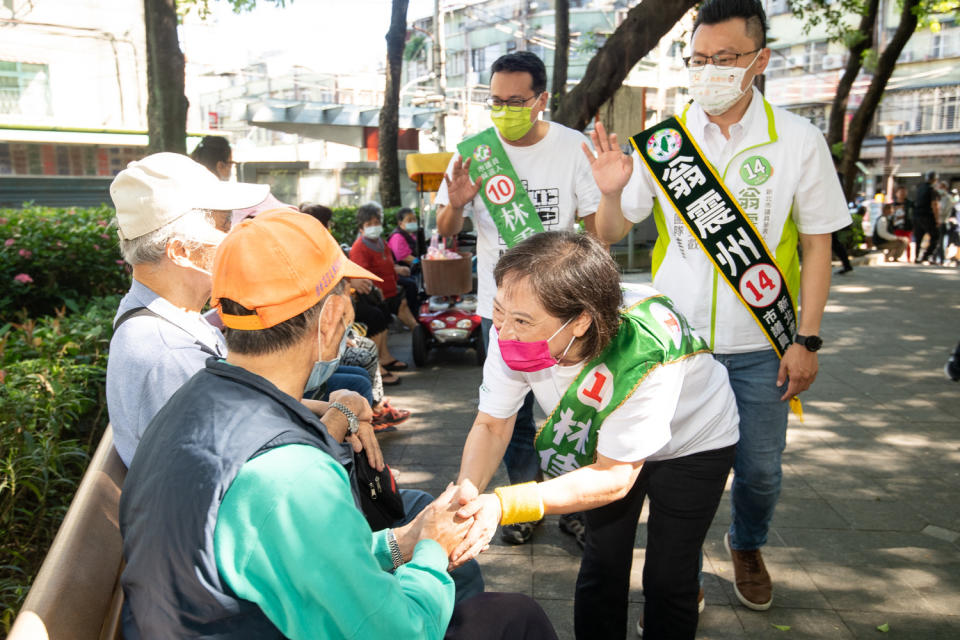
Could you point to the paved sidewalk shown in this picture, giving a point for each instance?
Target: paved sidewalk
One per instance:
(868, 528)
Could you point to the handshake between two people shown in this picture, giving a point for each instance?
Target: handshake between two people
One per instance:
(461, 520)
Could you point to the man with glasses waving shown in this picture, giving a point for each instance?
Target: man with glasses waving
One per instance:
(501, 178)
(735, 185)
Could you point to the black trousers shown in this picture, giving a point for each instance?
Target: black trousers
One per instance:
(840, 251)
(371, 312)
(922, 226)
(499, 616)
(684, 494)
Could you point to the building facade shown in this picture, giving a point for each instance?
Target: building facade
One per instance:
(72, 98)
(919, 106)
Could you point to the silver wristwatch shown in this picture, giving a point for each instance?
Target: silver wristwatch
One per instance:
(353, 425)
(395, 554)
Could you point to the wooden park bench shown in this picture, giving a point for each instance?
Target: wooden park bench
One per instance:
(77, 595)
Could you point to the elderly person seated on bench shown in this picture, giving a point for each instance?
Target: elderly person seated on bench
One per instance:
(237, 518)
(169, 234)
(171, 215)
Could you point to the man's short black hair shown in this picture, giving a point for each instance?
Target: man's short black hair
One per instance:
(716, 11)
(523, 61)
(281, 336)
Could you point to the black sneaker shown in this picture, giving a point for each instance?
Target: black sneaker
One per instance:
(952, 369)
(574, 525)
(519, 533)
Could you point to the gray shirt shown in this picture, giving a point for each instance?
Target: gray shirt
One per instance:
(150, 358)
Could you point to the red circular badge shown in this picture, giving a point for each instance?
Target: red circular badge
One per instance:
(500, 189)
(761, 285)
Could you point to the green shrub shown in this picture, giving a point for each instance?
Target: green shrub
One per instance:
(343, 224)
(52, 415)
(51, 258)
(852, 237)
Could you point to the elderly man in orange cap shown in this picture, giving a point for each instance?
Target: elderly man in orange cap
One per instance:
(239, 521)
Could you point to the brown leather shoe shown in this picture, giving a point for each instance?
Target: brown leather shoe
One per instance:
(751, 580)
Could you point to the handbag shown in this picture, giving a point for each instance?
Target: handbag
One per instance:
(380, 499)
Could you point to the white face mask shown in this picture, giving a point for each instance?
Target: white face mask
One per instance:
(373, 232)
(207, 254)
(716, 90)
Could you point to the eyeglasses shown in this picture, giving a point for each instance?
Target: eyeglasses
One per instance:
(513, 104)
(720, 60)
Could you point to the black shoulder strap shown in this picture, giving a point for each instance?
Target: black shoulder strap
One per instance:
(144, 311)
(134, 313)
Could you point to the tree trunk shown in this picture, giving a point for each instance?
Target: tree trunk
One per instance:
(642, 29)
(862, 119)
(166, 102)
(561, 54)
(390, 113)
(838, 110)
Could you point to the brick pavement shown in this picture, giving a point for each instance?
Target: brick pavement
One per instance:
(868, 527)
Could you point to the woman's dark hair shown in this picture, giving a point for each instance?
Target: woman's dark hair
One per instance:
(210, 151)
(523, 61)
(276, 338)
(367, 212)
(717, 11)
(404, 212)
(569, 273)
(318, 211)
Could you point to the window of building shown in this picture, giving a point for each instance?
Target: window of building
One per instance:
(814, 56)
(776, 7)
(456, 63)
(538, 50)
(478, 61)
(948, 112)
(24, 88)
(929, 110)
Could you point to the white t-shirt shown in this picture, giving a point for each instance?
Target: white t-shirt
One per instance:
(679, 409)
(559, 181)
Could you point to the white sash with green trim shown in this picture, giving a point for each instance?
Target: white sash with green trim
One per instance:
(724, 232)
(652, 333)
(507, 201)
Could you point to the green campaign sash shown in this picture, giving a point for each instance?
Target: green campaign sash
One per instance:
(503, 193)
(652, 333)
(724, 232)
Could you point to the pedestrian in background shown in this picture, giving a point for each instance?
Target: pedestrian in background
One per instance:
(926, 206)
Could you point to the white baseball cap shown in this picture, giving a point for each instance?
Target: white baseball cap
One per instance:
(157, 190)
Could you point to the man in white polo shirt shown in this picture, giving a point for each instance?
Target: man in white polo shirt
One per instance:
(776, 171)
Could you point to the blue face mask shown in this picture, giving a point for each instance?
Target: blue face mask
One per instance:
(323, 369)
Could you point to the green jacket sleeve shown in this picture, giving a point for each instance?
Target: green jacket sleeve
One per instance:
(289, 538)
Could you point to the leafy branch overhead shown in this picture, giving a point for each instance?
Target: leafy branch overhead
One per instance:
(202, 7)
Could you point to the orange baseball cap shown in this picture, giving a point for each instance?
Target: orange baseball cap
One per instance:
(278, 264)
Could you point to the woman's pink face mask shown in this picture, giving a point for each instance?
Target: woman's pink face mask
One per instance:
(531, 356)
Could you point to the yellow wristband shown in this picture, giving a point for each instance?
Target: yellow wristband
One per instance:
(520, 503)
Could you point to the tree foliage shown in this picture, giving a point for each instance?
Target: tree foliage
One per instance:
(202, 7)
(862, 54)
(166, 102)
